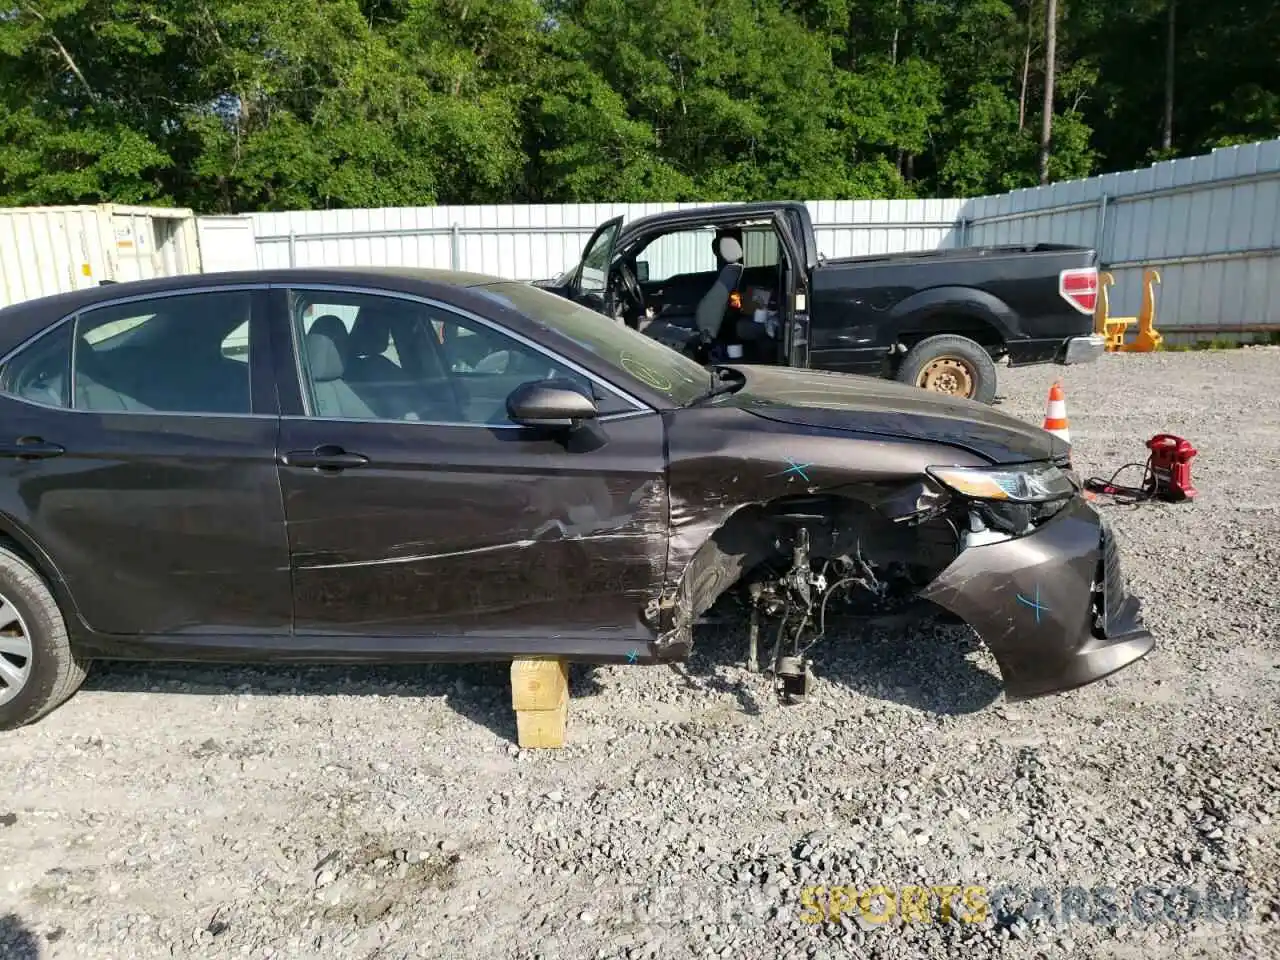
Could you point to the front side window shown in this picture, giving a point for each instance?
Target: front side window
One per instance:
(692, 251)
(410, 361)
(186, 353)
(594, 277)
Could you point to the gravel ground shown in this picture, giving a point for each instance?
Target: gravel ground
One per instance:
(280, 812)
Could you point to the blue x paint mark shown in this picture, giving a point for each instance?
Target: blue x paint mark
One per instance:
(796, 468)
(633, 656)
(1035, 604)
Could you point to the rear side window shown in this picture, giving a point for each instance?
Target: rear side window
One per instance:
(760, 248)
(187, 353)
(39, 372)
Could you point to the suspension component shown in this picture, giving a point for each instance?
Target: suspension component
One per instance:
(798, 598)
(793, 679)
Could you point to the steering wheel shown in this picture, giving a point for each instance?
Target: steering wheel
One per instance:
(632, 286)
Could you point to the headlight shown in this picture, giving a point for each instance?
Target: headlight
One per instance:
(1031, 483)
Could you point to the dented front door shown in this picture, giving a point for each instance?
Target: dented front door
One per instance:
(463, 530)
(445, 525)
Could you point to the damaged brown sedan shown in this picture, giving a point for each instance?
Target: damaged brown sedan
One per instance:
(397, 465)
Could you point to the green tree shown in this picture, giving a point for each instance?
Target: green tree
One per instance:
(233, 105)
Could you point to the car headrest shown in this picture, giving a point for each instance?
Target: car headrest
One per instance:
(323, 358)
(331, 326)
(729, 249)
(371, 333)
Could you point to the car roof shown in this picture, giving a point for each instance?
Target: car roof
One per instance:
(727, 211)
(21, 321)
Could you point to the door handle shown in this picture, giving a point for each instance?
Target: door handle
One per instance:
(31, 448)
(325, 457)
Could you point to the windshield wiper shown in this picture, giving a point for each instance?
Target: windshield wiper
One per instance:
(723, 380)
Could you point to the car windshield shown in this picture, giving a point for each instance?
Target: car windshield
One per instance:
(660, 368)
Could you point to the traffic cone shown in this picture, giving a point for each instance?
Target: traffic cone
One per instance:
(1055, 413)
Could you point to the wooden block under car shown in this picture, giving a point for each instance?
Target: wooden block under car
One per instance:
(543, 729)
(540, 696)
(537, 684)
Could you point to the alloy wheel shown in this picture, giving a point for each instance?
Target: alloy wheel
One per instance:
(15, 652)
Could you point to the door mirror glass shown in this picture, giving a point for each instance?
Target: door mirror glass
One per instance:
(549, 403)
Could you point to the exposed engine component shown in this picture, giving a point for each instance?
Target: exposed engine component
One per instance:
(812, 584)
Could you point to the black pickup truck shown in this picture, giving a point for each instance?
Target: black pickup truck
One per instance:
(745, 283)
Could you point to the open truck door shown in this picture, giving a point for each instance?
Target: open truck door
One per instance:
(795, 304)
(589, 283)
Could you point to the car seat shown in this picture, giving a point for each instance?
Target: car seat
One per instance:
(333, 396)
(711, 308)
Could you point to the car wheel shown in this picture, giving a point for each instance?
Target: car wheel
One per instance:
(38, 670)
(952, 365)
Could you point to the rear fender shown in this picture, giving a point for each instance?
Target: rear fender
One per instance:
(30, 550)
(921, 312)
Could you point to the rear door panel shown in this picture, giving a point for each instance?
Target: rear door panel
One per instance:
(160, 523)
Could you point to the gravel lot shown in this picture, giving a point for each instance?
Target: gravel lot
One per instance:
(285, 812)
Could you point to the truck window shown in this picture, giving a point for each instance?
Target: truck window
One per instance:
(690, 251)
(673, 254)
(760, 247)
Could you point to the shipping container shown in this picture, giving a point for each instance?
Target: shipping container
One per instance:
(48, 250)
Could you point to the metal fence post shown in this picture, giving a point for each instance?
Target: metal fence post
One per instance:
(455, 247)
(1101, 238)
(293, 248)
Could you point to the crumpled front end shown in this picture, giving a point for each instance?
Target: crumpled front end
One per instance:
(1051, 606)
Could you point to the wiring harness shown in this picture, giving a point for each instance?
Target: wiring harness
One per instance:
(1146, 490)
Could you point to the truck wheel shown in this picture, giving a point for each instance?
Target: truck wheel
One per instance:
(950, 364)
(38, 670)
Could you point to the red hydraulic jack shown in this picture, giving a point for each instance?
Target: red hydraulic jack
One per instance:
(1171, 467)
(1167, 474)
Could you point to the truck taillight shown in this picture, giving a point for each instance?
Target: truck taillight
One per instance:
(1080, 288)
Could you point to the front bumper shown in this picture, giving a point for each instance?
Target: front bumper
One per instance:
(1083, 349)
(1051, 606)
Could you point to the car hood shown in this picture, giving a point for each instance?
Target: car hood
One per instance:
(884, 408)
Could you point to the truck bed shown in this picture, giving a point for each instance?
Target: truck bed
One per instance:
(1005, 297)
(952, 254)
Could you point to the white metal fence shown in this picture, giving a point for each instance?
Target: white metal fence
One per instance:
(1210, 225)
(541, 241)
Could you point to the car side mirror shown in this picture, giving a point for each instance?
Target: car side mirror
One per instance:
(642, 270)
(550, 403)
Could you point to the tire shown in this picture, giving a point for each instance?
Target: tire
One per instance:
(950, 359)
(52, 672)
